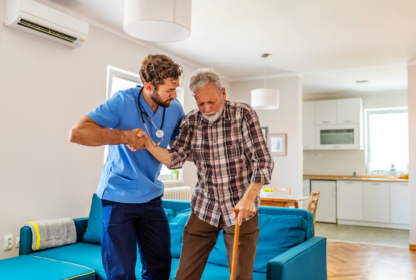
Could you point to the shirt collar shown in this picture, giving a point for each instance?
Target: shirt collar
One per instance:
(226, 114)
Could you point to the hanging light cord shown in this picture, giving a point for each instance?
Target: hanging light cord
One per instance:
(265, 72)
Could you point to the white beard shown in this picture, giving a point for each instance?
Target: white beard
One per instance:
(215, 117)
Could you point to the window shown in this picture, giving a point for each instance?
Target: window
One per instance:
(117, 80)
(387, 140)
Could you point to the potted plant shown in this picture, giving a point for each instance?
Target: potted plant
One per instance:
(175, 174)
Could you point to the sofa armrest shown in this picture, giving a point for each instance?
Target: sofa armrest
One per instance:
(26, 235)
(303, 262)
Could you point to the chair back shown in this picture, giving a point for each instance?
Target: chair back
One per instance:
(313, 206)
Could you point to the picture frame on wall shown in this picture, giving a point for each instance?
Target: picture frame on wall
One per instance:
(265, 130)
(277, 144)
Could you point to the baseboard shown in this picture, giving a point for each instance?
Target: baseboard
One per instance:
(412, 247)
(370, 224)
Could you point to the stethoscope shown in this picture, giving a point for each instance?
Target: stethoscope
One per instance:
(159, 132)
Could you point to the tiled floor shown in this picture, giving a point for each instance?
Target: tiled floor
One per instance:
(370, 235)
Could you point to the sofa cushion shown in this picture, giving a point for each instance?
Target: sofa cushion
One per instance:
(176, 231)
(278, 233)
(37, 268)
(93, 232)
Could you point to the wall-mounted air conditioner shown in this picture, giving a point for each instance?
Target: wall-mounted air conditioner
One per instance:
(40, 20)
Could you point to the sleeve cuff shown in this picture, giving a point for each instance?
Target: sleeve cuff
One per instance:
(175, 160)
(262, 176)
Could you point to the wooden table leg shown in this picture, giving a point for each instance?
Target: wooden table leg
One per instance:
(296, 205)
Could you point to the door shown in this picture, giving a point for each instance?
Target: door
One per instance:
(349, 110)
(341, 137)
(308, 125)
(350, 200)
(400, 203)
(377, 202)
(326, 211)
(326, 112)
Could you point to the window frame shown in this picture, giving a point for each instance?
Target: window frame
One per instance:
(368, 113)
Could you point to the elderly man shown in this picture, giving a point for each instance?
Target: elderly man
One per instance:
(233, 162)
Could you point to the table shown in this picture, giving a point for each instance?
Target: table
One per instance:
(283, 201)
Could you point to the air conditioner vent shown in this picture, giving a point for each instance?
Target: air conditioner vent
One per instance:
(46, 30)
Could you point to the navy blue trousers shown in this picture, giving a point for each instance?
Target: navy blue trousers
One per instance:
(125, 225)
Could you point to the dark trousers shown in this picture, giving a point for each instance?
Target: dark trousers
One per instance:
(199, 238)
(125, 225)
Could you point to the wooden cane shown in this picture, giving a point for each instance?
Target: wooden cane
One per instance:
(235, 247)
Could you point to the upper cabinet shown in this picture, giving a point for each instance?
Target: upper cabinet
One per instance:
(308, 121)
(333, 124)
(349, 110)
(326, 112)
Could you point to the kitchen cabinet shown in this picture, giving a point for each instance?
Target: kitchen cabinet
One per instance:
(327, 210)
(338, 137)
(308, 125)
(377, 202)
(350, 200)
(349, 110)
(326, 112)
(400, 203)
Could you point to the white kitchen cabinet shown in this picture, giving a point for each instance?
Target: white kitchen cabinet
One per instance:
(377, 202)
(327, 210)
(325, 112)
(400, 203)
(338, 137)
(350, 200)
(349, 110)
(308, 125)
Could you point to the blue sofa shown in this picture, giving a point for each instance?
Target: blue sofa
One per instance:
(287, 249)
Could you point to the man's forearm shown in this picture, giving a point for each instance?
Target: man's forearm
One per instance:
(90, 134)
(253, 190)
(161, 154)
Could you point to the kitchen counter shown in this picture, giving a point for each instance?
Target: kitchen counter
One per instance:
(350, 178)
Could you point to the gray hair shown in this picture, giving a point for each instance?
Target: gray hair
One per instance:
(202, 77)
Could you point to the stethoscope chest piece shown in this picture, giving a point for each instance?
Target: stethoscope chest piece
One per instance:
(159, 133)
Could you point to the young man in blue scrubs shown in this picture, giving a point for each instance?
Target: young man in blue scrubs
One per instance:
(130, 192)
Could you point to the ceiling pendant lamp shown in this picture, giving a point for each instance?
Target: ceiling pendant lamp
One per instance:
(265, 99)
(161, 21)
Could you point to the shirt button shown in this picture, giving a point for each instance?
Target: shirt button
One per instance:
(215, 157)
(197, 146)
(215, 141)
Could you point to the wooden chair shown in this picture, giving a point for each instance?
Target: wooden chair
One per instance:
(313, 205)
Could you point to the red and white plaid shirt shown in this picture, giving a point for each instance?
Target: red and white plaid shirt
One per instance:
(229, 154)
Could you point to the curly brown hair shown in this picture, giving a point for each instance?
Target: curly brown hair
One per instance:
(156, 68)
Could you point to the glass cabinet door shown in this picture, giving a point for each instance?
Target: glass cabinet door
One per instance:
(337, 136)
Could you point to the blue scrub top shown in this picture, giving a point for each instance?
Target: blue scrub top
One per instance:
(131, 177)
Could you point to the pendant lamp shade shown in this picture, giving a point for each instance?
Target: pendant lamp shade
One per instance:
(265, 99)
(161, 21)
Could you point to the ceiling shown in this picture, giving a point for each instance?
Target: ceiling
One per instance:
(330, 42)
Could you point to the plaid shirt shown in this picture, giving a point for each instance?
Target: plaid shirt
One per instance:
(229, 154)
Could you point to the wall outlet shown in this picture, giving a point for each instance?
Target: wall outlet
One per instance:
(317, 155)
(8, 242)
(17, 241)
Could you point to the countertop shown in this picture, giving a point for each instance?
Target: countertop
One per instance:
(350, 178)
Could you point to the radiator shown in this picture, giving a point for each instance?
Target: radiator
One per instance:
(178, 193)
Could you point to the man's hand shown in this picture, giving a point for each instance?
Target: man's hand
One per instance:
(246, 209)
(135, 143)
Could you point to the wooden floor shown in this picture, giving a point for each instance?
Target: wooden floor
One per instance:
(350, 261)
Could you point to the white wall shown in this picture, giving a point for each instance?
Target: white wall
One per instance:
(346, 162)
(411, 76)
(286, 119)
(44, 89)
